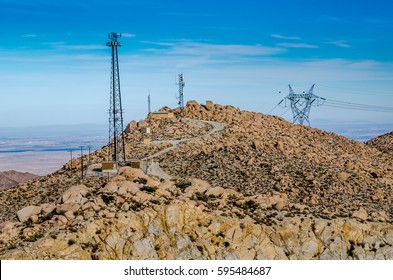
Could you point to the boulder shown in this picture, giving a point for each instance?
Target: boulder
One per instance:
(25, 213)
(8, 230)
(63, 208)
(217, 191)
(209, 105)
(360, 214)
(75, 194)
(198, 185)
(343, 176)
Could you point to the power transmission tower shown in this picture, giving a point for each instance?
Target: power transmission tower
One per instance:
(301, 104)
(181, 84)
(115, 108)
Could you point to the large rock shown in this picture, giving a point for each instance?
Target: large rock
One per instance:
(25, 213)
(209, 105)
(8, 231)
(132, 174)
(217, 191)
(75, 194)
(360, 214)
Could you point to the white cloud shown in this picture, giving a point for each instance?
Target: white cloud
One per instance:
(217, 50)
(298, 45)
(278, 36)
(127, 35)
(63, 46)
(340, 43)
(29, 36)
(83, 47)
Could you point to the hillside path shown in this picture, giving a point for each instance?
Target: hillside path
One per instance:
(154, 167)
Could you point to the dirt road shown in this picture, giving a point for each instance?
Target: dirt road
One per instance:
(154, 167)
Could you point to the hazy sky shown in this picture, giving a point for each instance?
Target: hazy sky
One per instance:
(55, 67)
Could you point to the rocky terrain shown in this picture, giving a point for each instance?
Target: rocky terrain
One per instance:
(384, 143)
(12, 178)
(239, 185)
(328, 174)
(134, 216)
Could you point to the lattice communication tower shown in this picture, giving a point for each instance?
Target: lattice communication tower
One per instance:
(301, 104)
(181, 84)
(117, 148)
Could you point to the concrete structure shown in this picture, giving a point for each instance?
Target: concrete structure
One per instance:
(146, 130)
(135, 163)
(162, 115)
(109, 166)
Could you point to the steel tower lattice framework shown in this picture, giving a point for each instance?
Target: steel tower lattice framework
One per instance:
(301, 104)
(181, 84)
(117, 149)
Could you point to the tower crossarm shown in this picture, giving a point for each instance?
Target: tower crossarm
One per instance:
(301, 104)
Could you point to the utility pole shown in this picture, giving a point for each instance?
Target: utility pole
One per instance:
(81, 161)
(70, 151)
(89, 147)
(115, 106)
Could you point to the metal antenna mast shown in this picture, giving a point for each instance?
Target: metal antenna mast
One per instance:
(115, 108)
(301, 104)
(181, 84)
(148, 103)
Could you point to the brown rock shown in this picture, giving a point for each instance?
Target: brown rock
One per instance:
(198, 185)
(69, 215)
(343, 176)
(379, 194)
(34, 219)
(360, 214)
(75, 194)
(217, 191)
(209, 105)
(110, 187)
(279, 206)
(250, 162)
(128, 187)
(47, 208)
(63, 208)
(8, 231)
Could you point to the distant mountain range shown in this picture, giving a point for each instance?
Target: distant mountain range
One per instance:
(9, 179)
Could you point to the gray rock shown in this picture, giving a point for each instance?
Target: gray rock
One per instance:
(25, 213)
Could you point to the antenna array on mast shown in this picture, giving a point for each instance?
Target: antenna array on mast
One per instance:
(181, 84)
(148, 103)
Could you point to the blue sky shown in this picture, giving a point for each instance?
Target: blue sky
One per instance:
(55, 67)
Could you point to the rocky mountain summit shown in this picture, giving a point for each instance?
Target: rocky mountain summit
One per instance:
(219, 183)
(329, 175)
(384, 143)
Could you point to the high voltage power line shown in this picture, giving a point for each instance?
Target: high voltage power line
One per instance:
(357, 91)
(357, 106)
(301, 105)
